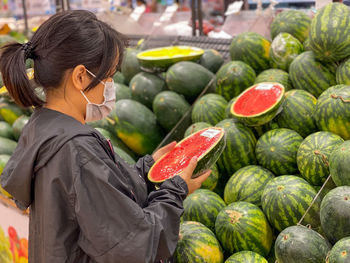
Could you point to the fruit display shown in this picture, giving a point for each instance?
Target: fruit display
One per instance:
(210, 109)
(339, 166)
(212, 60)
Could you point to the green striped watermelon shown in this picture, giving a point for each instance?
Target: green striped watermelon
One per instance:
(340, 252)
(333, 111)
(243, 226)
(339, 164)
(298, 244)
(145, 87)
(240, 145)
(277, 150)
(130, 65)
(203, 206)
(343, 73)
(122, 92)
(6, 130)
(169, 107)
(228, 114)
(197, 126)
(309, 74)
(246, 257)
(119, 78)
(306, 44)
(294, 22)
(285, 200)
(335, 214)
(125, 156)
(197, 244)
(313, 156)
(7, 146)
(212, 60)
(275, 75)
(297, 114)
(210, 108)
(233, 78)
(253, 49)
(330, 32)
(284, 49)
(247, 184)
(211, 182)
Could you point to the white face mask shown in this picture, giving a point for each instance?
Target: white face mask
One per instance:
(95, 112)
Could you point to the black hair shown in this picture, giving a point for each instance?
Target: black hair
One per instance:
(64, 41)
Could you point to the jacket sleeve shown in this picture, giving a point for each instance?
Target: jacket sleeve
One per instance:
(143, 166)
(114, 228)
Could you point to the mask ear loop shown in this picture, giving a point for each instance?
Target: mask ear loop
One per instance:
(92, 74)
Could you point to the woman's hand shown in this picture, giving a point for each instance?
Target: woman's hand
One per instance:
(164, 150)
(193, 184)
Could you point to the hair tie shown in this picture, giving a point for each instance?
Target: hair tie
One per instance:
(28, 50)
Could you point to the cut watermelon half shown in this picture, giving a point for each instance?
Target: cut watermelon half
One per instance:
(258, 104)
(207, 145)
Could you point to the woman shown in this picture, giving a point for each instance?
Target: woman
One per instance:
(86, 204)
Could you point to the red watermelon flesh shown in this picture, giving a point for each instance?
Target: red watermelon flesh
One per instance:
(206, 145)
(258, 99)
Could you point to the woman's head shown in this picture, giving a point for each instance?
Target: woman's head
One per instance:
(68, 42)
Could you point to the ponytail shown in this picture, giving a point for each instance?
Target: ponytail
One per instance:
(14, 75)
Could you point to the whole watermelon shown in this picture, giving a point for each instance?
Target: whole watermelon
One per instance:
(212, 60)
(285, 200)
(275, 75)
(333, 111)
(137, 126)
(211, 182)
(197, 244)
(119, 78)
(233, 78)
(7, 146)
(277, 150)
(284, 49)
(330, 33)
(253, 49)
(210, 108)
(240, 145)
(335, 214)
(203, 206)
(298, 112)
(6, 130)
(130, 65)
(343, 73)
(309, 74)
(246, 257)
(298, 244)
(340, 252)
(247, 184)
(313, 156)
(122, 92)
(294, 22)
(169, 107)
(339, 164)
(228, 114)
(188, 78)
(243, 226)
(145, 87)
(197, 126)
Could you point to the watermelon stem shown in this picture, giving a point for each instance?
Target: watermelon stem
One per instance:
(334, 96)
(324, 157)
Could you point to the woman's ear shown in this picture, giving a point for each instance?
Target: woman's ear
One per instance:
(80, 77)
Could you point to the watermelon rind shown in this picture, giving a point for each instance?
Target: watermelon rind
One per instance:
(246, 257)
(275, 75)
(212, 60)
(339, 164)
(343, 73)
(197, 126)
(340, 252)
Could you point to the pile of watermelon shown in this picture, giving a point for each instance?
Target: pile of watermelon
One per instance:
(280, 192)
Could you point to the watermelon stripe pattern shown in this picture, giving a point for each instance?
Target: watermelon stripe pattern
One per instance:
(343, 73)
(285, 200)
(233, 78)
(340, 252)
(339, 164)
(330, 33)
(313, 156)
(210, 108)
(275, 75)
(253, 49)
(203, 206)
(243, 226)
(333, 111)
(298, 112)
(240, 145)
(308, 74)
(277, 150)
(294, 22)
(247, 184)
(246, 257)
(197, 244)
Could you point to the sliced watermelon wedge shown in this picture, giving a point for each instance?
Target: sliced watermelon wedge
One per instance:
(160, 59)
(207, 145)
(258, 104)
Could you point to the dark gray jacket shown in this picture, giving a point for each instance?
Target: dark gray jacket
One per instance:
(86, 204)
